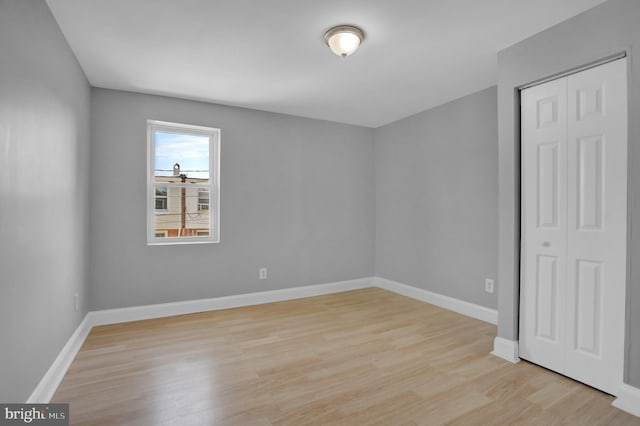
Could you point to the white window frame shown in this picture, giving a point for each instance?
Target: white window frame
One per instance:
(213, 186)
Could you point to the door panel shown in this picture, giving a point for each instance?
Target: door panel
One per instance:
(588, 307)
(548, 202)
(590, 164)
(544, 219)
(597, 233)
(546, 298)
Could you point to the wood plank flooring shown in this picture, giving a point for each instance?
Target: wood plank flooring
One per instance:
(360, 357)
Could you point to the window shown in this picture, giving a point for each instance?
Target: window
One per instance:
(183, 201)
(161, 199)
(203, 199)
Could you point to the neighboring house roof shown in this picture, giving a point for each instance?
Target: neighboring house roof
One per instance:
(177, 179)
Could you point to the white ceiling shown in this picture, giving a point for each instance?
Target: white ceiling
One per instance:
(270, 54)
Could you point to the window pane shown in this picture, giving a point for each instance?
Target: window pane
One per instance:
(183, 215)
(181, 158)
(178, 155)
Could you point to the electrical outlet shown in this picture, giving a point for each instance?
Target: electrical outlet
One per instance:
(76, 302)
(262, 273)
(488, 285)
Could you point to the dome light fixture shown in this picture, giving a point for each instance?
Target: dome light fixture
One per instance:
(343, 40)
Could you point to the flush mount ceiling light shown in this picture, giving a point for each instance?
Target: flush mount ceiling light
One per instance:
(343, 40)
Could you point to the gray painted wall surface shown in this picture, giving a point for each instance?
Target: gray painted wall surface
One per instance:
(600, 32)
(437, 198)
(297, 197)
(44, 153)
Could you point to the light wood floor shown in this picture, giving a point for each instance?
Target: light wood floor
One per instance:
(360, 357)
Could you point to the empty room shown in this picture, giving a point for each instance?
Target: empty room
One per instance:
(219, 212)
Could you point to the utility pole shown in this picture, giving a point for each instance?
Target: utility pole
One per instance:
(183, 204)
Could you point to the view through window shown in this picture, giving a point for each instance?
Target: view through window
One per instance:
(183, 183)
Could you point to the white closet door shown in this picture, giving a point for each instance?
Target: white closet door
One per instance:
(597, 239)
(573, 230)
(544, 223)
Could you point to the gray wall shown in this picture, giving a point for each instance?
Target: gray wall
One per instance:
(297, 196)
(600, 32)
(437, 198)
(44, 153)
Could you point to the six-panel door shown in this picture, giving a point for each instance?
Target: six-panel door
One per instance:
(573, 230)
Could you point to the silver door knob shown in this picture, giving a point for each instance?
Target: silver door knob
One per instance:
(546, 244)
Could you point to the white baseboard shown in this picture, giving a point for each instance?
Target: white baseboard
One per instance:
(52, 378)
(506, 349)
(460, 306)
(137, 313)
(628, 400)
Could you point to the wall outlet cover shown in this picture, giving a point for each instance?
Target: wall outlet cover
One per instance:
(489, 285)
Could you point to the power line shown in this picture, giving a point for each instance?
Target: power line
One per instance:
(181, 170)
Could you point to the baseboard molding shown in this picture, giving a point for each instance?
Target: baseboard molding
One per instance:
(460, 306)
(628, 400)
(52, 378)
(506, 349)
(137, 313)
